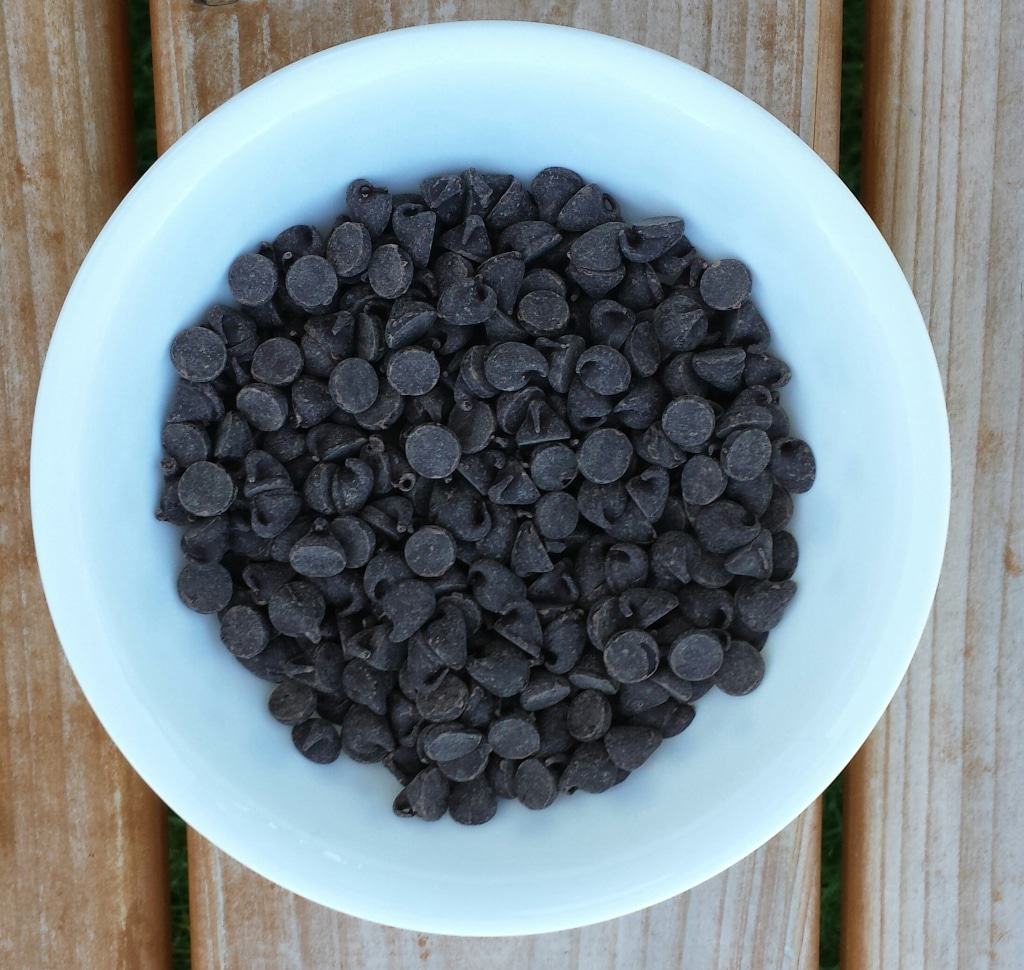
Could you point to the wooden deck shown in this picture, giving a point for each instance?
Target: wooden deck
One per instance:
(934, 818)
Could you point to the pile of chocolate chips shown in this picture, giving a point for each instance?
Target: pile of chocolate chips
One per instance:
(492, 482)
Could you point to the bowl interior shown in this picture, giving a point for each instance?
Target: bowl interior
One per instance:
(663, 138)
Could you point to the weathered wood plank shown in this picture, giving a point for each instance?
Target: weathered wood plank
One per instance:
(763, 912)
(82, 847)
(934, 830)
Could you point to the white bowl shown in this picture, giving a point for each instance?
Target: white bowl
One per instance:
(664, 138)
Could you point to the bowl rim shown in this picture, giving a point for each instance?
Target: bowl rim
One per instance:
(213, 824)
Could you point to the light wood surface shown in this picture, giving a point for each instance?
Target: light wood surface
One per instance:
(764, 912)
(934, 826)
(82, 847)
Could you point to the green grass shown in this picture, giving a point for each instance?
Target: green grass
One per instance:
(143, 108)
(178, 870)
(849, 169)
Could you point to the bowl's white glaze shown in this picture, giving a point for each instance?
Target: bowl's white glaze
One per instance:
(664, 138)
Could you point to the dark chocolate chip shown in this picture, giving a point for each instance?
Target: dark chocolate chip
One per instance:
(199, 354)
(369, 204)
(252, 279)
(433, 451)
(725, 284)
(472, 802)
(205, 587)
(349, 249)
(742, 669)
(761, 605)
(697, 655)
(390, 271)
(629, 746)
(206, 489)
(792, 464)
(605, 456)
(535, 785)
(631, 656)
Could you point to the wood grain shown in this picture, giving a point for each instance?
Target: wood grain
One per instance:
(762, 913)
(82, 846)
(934, 828)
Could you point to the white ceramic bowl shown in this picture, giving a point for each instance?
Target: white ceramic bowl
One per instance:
(664, 138)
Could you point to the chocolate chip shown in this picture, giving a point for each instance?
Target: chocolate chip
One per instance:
(448, 741)
(276, 361)
(530, 238)
(589, 716)
(413, 371)
(688, 421)
(312, 283)
(631, 656)
(510, 366)
(589, 769)
(742, 669)
(629, 746)
(408, 604)
(433, 451)
(292, 703)
(425, 797)
(792, 464)
(724, 526)
(535, 785)
(206, 489)
(390, 271)
(761, 605)
(369, 204)
(349, 249)
(784, 556)
(725, 284)
(252, 279)
(645, 240)
(597, 250)
(185, 442)
(513, 736)
(502, 669)
(317, 555)
(354, 385)
(543, 313)
(318, 740)
(556, 515)
(198, 354)
(466, 303)
(754, 559)
(745, 454)
(262, 406)
(244, 630)
(430, 551)
(297, 609)
(552, 188)
(702, 480)
(680, 323)
(414, 229)
(205, 587)
(604, 370)
(697, 655)
(365, 736)
(605, 456)
(472, 802)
